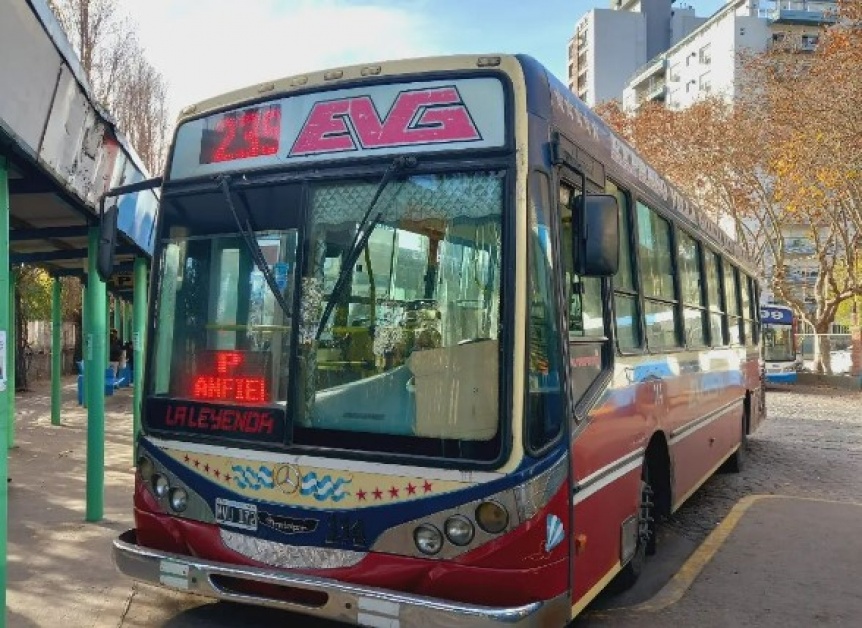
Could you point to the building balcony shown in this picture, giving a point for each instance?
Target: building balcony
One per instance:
(801, 12)
(655, 90)
(649, 72)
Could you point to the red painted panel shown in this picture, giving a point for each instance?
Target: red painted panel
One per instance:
(700, 451)
(513, 570)
(599, 517)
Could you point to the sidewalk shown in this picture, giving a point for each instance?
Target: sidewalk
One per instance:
(774, 561)
(60, 572)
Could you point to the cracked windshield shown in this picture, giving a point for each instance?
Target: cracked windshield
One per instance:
(411, 346)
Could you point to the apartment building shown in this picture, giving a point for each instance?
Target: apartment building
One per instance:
(609, 45)
(707, 60)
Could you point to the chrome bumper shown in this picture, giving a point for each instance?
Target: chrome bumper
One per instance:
(358, 605)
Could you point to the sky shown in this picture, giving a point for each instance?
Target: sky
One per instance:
(203, 48)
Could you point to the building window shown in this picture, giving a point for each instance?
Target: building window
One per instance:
(705, 83)
(706, 54)
(809, 42)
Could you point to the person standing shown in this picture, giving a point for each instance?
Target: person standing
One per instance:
(115, 352)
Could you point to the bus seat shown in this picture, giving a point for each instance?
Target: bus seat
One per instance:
(456, 390)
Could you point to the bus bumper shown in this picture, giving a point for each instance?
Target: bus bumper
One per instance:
(325, 598)
(781, 378)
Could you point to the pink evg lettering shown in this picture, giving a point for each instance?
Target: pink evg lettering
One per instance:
(426, 116)
(325, 131)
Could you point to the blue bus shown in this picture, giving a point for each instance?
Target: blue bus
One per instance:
(779, 344)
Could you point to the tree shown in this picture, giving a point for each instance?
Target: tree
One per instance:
(785, 158)
(123, 81)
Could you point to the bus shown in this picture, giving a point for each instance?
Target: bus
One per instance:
(429, 345)
(780, 359)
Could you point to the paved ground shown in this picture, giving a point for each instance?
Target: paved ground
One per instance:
(60, 571)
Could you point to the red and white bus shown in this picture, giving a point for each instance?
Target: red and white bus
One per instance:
(428, 345)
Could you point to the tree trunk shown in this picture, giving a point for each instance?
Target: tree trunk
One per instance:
(21, 345)
(822, 350)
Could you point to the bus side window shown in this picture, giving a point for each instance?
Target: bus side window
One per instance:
(655, 254)
(626, 307)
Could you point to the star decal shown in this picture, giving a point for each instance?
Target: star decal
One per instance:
(360, 494)
(227, 477)
(427, 486)
(393, 492)
(217, 473)
(411, 490)
(378, 494)
(186, 458)
(197, 463)
(207, 468)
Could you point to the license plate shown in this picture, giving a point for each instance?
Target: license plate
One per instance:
(236, 514)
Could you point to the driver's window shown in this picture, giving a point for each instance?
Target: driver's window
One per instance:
(584, 293)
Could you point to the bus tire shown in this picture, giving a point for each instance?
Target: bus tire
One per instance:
(647, 514)
(736, 462)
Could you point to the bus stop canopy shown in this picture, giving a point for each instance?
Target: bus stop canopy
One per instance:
(63, 151)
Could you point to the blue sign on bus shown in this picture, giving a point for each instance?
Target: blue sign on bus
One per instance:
(776, 315)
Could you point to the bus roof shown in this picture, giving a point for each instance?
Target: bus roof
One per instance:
(332, 77)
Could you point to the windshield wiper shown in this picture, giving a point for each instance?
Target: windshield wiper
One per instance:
(360, 238)
(247, 232)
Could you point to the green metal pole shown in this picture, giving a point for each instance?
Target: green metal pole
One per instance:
(107, 345)
(56, 353)
(118, 322)
(139, 327)
(11, 343)
(4, 392)
(96, 364)
(122, 304)
(84, 337)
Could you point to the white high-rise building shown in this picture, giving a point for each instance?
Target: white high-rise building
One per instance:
(707, 60)
(609, 45)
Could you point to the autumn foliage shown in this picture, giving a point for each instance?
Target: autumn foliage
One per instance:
(782, 158)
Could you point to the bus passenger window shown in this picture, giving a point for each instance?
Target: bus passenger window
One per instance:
(656, 265)
(627, 320)
(691, 282)
(731, 295)
(716, 310)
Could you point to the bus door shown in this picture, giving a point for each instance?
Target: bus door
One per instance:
(589, 362)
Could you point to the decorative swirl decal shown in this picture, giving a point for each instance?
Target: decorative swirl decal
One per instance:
(324, 488)
(255, 479)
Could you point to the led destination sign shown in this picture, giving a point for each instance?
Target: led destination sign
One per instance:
(456, 114)
(227, 421)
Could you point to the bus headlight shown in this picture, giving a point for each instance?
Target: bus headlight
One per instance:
(428, 539)
(178, 500)
(492, 517)
(145, 468)
(160, 485)
(459, 530)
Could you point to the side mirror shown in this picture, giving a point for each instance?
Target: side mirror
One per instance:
(107, 242)
(597, 236)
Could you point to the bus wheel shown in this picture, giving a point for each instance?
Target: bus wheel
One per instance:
(646, 534)
(736, 462)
